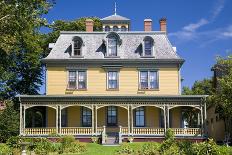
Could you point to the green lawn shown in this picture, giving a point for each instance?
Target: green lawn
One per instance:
(96, 149)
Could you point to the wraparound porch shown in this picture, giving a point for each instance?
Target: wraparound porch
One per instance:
(159, 113)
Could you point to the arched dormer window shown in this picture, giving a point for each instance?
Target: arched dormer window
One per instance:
(113, 41)
(115, 28)
(148, 46)
(107, 28)
(123, 28)
(77, 46)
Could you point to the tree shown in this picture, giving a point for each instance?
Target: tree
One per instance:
(21, 46)
(9, 122)
(223, 95)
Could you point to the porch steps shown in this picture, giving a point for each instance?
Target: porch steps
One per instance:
(112, 139)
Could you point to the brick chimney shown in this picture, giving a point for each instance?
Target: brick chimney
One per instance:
(147, 25)
(163, 24)
(89, 25)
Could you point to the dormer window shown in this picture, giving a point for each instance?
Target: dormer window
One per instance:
(112, 46)
(148, 46)
(115, 28)
(77, 46)
(107, 28)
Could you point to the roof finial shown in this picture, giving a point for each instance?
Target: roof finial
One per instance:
(115, 8)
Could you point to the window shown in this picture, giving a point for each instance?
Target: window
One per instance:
(111, 116)
(115, 28)
(77, 48)
(77, 80)
(139, 117)
(112, 80)
(148, 46)
(123, 28)
(107, 28)
(64, 117)
(112, 46)
(86, 117)
(148, 80)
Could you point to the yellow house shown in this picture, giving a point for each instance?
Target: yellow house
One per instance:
(118, 83)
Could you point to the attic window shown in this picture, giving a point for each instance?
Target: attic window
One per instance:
(77, 46)
(148, 46)
(112, 44)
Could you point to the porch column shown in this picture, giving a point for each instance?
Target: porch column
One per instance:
(168, 121)
(202, 129)
(57, 110)
(95, 119)
(60, 119)
(165, 119)
(20, 121)
(92, 119)
(128, 117)
(132, 122)
(205, 116)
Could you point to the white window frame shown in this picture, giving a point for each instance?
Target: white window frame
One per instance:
(107, 80)
(152, 49)
(107, 46)
(81, 49)
(77, 79)
(148, 80)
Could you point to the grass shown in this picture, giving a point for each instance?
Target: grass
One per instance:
(97, 149)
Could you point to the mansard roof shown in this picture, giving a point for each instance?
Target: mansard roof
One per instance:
(130, 47)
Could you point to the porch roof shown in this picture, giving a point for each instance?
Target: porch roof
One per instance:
(113, 98)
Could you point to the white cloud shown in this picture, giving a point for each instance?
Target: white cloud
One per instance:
(228, 32)
(217, 9)
(194, 26)
(191, 31)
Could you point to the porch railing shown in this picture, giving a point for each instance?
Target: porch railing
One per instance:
(187, 131)
(148, 131)
(76, 130)
(39, 131)
(124, 130)
(100, 130)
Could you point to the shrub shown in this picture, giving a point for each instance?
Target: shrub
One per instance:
(224, 150)
(43, 147)
(206, 148)
(150, 148)
(14, 142)
(94, 139)
(169, 140)
(75, 147)
(5, 150)
(172, 150)
(126, 149)
(185, 147)
(67, 141)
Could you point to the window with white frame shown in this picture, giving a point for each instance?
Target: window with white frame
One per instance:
(112, 80)
(140, 117)
(148, 46)
(77, 80)
(112, 46)
(148, 79)
(86, 117)
(77, 46)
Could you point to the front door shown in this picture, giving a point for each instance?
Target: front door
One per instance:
(112, 118)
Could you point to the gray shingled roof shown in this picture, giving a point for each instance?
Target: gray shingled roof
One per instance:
(115, 18)
(130, 47)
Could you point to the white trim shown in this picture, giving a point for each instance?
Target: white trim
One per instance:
(148, 78)
(107, 79)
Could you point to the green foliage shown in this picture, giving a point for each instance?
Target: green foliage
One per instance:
(172, 150)
(206, 148)
(75, 147)
(185, 147)
(67, 140)
(9, 122)
(150, 148)
(13, 142)
(126, 149)
(168, 141)
(5, 150)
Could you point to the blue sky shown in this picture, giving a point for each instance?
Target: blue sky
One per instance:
(200, 29)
